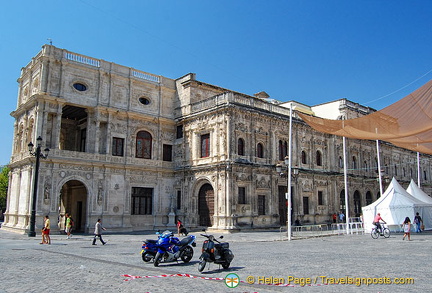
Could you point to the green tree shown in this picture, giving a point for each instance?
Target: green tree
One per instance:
(4, 181)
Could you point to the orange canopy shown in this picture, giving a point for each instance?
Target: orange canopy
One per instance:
(406, 123)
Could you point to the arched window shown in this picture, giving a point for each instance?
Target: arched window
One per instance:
(283, 150)
(303, 157)
(368, 198)
(357, 203)
(341, 162)
(260, 150)
(143, 145)
(376, 164)
(365, 166)
(240, 147)
(318, 158)
(281, 156)
(342, 200)
(354, 159)
(395, 170)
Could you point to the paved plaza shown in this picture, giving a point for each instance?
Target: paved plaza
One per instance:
(338, 263)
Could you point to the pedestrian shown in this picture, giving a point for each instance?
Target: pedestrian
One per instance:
(46, 239)
(181, 229)
(98, 232)
(341, 217)
(419, 222)
(407, 227)
(68, 226)
(334, 218)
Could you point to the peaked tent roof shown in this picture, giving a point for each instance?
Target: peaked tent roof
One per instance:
(415, 191)
(394, 205)
(396, 196)
(406, 123)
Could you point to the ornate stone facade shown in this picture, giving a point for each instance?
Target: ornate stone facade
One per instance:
(137, 149)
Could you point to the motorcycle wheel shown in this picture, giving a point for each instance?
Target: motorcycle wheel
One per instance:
(187, 254)
(226, 265)
(157, 259)
(146, 257)
(201, 265)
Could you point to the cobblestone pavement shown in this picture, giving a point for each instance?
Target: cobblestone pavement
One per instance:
(74, 265)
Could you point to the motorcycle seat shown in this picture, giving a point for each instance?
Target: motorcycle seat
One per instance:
(185, 241)
(151, 241)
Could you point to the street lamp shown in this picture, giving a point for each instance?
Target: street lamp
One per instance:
(38, 154)
(288, 175)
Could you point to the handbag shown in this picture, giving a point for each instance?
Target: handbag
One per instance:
(422, 227)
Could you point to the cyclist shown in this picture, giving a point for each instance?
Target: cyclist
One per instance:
(376, 222)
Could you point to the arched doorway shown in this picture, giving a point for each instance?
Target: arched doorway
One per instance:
(73, 200)
(206, 205)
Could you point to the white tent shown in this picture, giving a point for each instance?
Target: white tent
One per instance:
(394, 205)
(415, 191)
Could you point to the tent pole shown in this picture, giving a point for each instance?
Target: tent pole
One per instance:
(346, 186)
(379, 167)
(418, 170)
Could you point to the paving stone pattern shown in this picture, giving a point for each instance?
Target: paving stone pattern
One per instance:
(74, 265)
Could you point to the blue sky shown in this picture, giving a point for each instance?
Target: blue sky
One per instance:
(371, 52)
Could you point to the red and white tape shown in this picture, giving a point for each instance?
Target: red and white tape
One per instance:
(131, 277)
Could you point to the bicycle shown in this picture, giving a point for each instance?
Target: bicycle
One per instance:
(384, 232)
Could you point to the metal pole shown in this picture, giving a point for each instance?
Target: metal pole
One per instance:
(379, 167)
(289, 175)
(32, 232)
(346, 186)
(418, 170)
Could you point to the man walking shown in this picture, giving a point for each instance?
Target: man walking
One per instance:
(98, 232)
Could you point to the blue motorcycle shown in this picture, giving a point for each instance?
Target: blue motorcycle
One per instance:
(170, 248)
(148, 249)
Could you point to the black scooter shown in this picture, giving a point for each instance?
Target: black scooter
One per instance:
(215, 251)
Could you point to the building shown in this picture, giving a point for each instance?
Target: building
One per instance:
(140, 150)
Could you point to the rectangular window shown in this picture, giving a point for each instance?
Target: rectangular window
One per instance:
(83, 140)
(242, 195)
(205, 145)
(320, 198)
(179, 131)
(142, 201)
(178, 199)
(117, 146)
(305, 205)
(167, 152)
(261, 204)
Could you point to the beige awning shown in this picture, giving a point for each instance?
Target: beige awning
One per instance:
(406, 123)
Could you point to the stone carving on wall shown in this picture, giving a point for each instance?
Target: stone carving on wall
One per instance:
(241, 127)
(47, 190)
(74, 167)
(262, 183)
(242, 177)
(100, 192)
(306, 186)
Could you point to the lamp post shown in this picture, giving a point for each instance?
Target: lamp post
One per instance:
(288, 175)
(38, 154)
